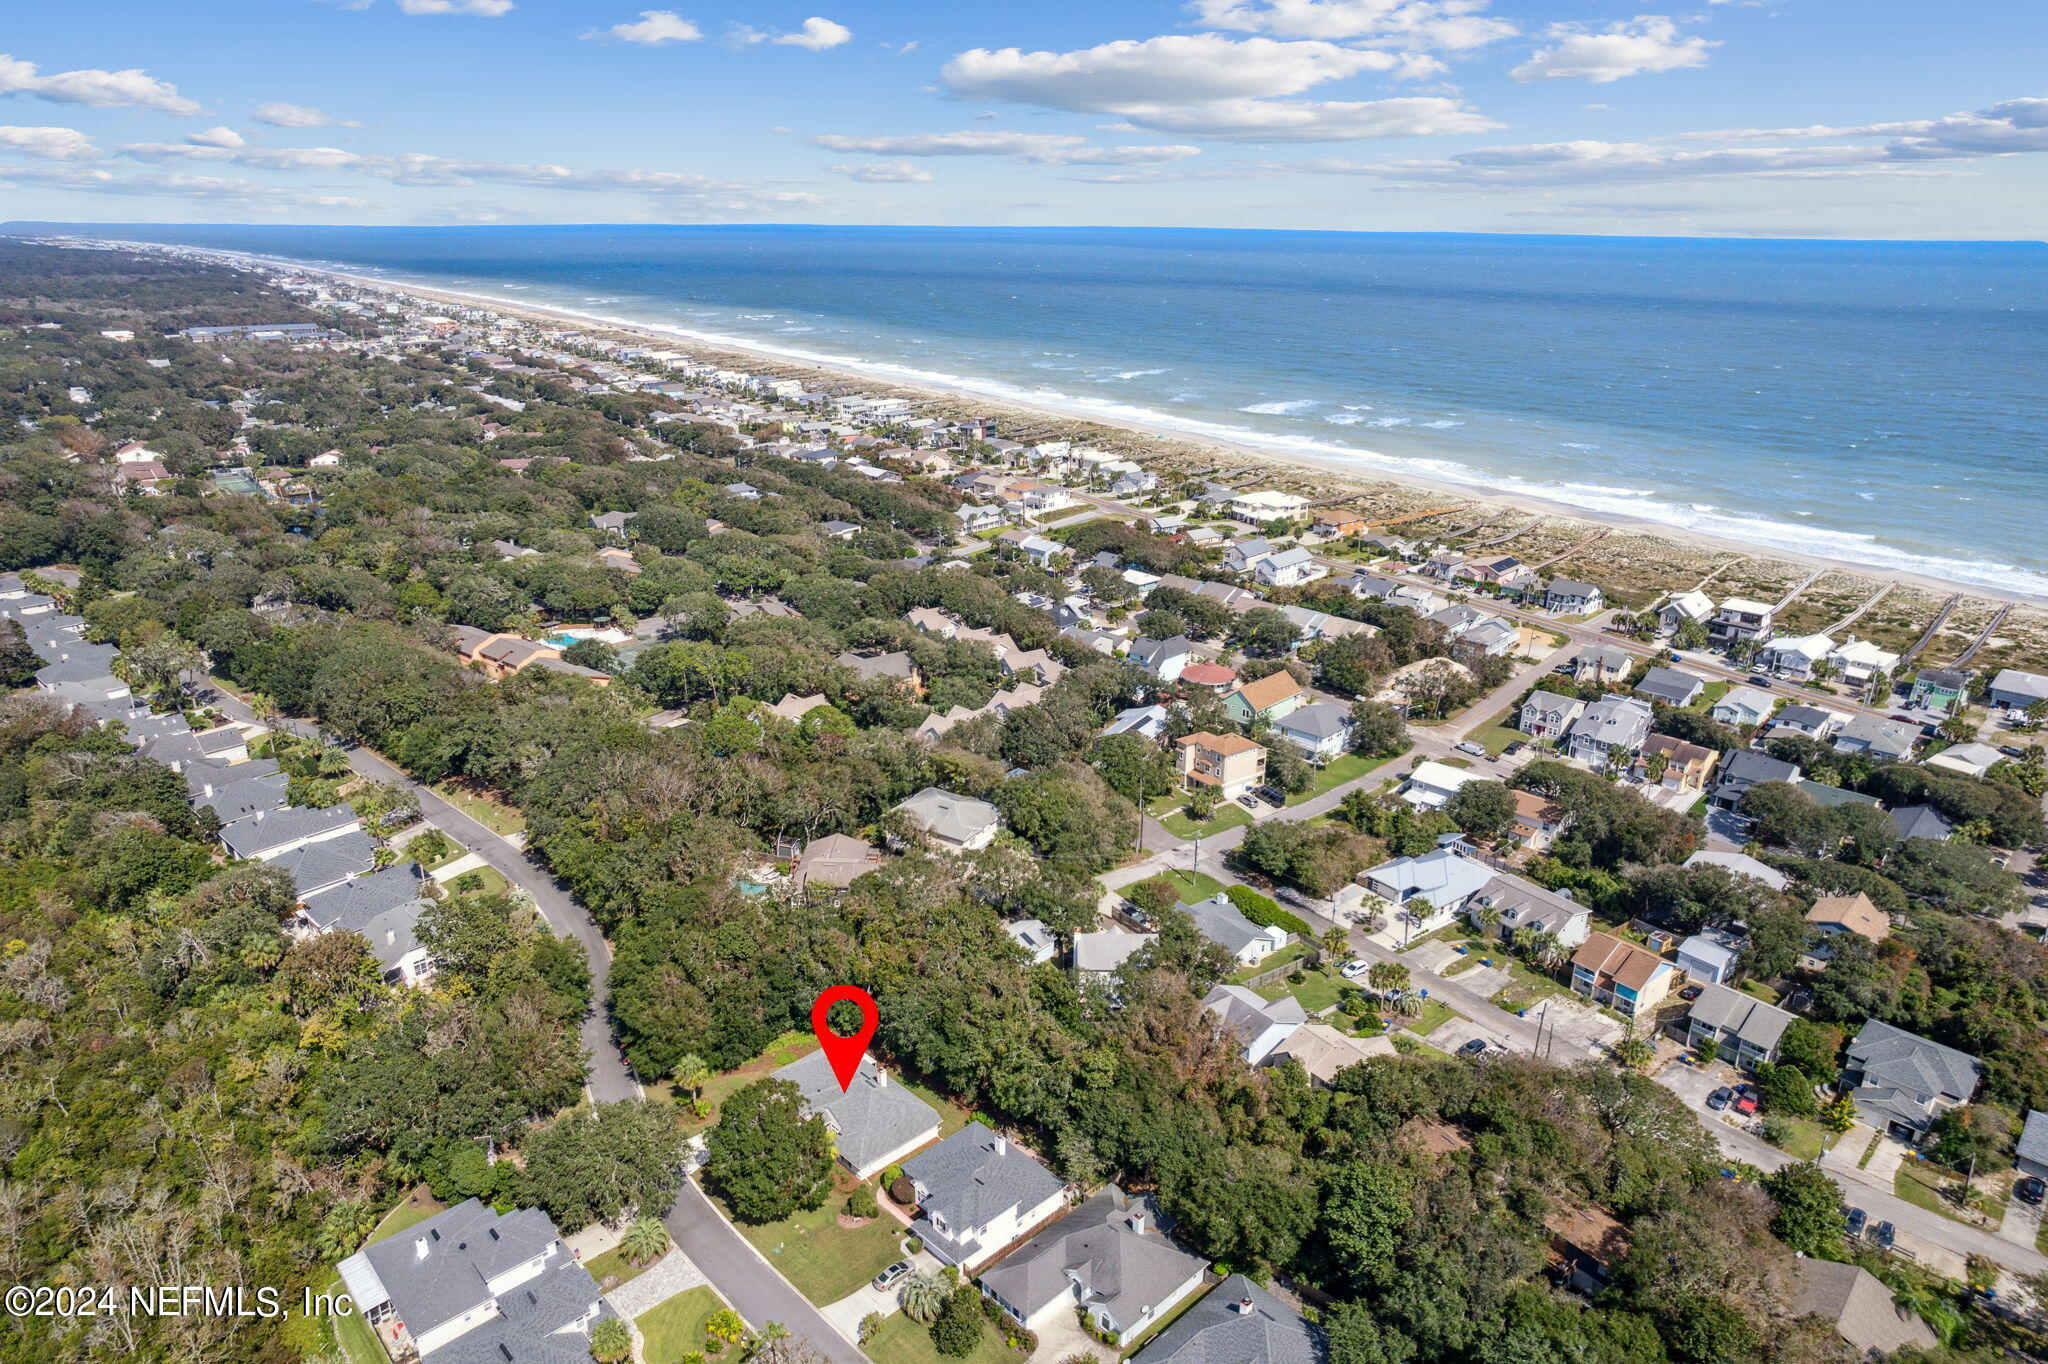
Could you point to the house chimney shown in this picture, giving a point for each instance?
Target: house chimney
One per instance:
(1136, 1221)
(881, 1078)
(1002, 1144)
(1244, 1306)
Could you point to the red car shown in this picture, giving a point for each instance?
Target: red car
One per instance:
(1745, 1100)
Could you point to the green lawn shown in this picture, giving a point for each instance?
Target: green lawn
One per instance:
(1760, 990)
(1435, 1013)
(1496, 734)
(488, 881)
(1229, 815)
(780, 1052)
(1349, 767)
(676, 1327)
(1194, 886)
(1455, 931)
(1922, 1185)
(614, 1261)
(1805, 1139)
(482, 807)
(903, 1341)
(1319, 989)
(1716, 689)
(824, 1260)
(1294, 951)
(1528, 988)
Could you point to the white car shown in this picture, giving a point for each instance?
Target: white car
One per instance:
(1352, 970)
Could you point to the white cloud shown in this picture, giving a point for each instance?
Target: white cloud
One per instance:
(882, 172)
(1043, 149)
(278, 114)
(816, 35)
(216, 137)
(1207, 85)
(419, 168)
(1278, 120)
(51, 144)
(130, 89)
(2013, 125)
(241, 194)
(1634, 47)
(653, 28)
(1450, 25)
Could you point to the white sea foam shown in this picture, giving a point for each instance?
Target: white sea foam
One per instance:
(1442, 425)
(1134, 374)
(1703, 518)
(1343, 418)
(1281, 409)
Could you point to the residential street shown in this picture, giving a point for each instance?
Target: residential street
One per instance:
(609, 1080)
(747, 1281)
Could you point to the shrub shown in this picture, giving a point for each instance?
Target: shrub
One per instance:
(861, 1202)
(958, 1328)
(610, 1340)
(1265, 911)
(901, 1191)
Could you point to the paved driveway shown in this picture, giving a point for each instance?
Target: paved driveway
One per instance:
(846, 1314)
(748, 1283)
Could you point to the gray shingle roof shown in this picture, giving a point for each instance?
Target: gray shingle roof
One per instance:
(943, 815)
(1894, 1058)
(1323, 720)
(1922, 821)
(1093, 1249)
(1220, 921)
(1744, 1015)
(237, 800)
(1669, 685)
(256, 834)
(2033, 1143)
(873, 1116)
(974, 1177)
(317, 866)
(1237, 1323)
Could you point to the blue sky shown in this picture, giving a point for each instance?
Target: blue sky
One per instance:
(1832, 118)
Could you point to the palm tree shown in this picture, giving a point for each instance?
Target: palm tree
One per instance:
(1336, 942)
(1548, 951)
(1487, 917)
(1388, 977)
(347, 1225)
(1407, 1004)
(611, 1340)
(644, 1242)
(924, 1297)
(261, 951)
(691, 1074)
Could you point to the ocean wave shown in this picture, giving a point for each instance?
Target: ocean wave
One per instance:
(1134, 374)
(1386, 423)
(1443, 425)
(1282, 409)
(609, 298)
(1854, 547)
(1343, 418)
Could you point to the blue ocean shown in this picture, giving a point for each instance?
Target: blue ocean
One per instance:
(1879, 402)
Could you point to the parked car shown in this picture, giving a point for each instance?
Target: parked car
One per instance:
(1746, 1100)
(893, 1275)
(2012, 750)
(1354, 970)
(1139, 917)
(1272, 795)
(1516, 747)
(1249, 801)
(1886, 1234)
(1764, 681)
(2032, 1189)
(1689, 993)
(1720, 1098)
(1476, 1047)
(1477, 750)
(1857, 1220)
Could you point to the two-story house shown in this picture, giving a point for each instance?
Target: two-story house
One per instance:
(1107, 1259)
(1629, 979)
(1611, 725)
(1738, 1027)
(1268, 698)
(1546, 715)
(977, 1194)
(1229, 763)
(1902, 1082)
(1566, 596)
(1739, 620)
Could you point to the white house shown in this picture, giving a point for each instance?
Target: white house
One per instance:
(1744, 706)
(1288, 568)
(1707, 958)
(1254, 508)
(1684, 608)
(1523, 907)
(954, 823)
(1858, 660)
(1165, 659)
(1610, 725)
(1320, 731)
(1432, 784)
(1795, 658)
(1259, 1024)
(1444, 878)
(1223, 923)
(977, 1194)
(1971, 759)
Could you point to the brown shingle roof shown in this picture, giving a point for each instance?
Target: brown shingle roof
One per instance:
(1225, 744)
(1269, 691)
(1858, 913)
(1626, 963)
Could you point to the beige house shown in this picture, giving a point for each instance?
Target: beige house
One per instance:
(1686, 765)
(1630, 979)
(1230, 763)
(1857, 914)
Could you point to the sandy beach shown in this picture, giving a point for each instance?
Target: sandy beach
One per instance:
(1636, 561)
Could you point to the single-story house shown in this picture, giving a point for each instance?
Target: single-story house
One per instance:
(1621, 975)
(1037, 940)
(1878, 738)
(1738, 1027)
(384, 907)
(875, 1121)
(1100, 954)
(1857, 914)
(833, 862)
(1862, 1310)
(1323, 1051)
(1432, 784)
(268, 834)
(2031, 1155)
(1814, 722)
(1970, 759)
(1671, 687)
(1923, 821)
(1740, 864)
(1745, 768)
(1146, 722)
(1259, 1024)
(1901, 1082)
(953, 823)
(1443, 878)
(1223, 923)
(978, 1193)
(1107, 1258)
(1744, 706)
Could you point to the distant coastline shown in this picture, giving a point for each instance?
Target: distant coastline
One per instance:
(1342, 480)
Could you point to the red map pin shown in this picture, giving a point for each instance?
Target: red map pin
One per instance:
(844, 1053)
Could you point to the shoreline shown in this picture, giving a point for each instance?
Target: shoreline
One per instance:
(1194, 442)
(1189, 453)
